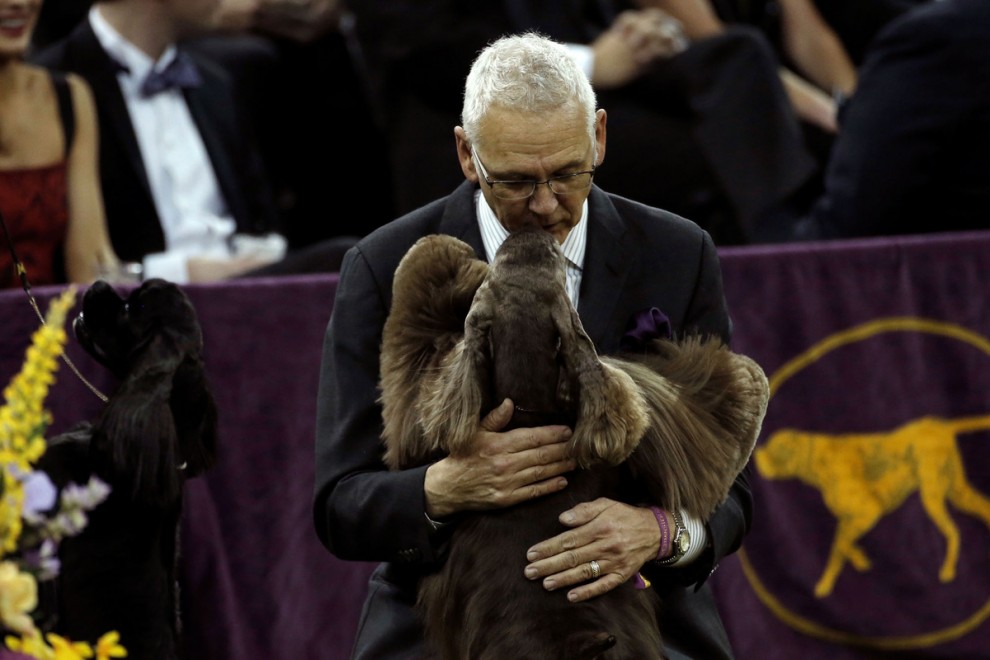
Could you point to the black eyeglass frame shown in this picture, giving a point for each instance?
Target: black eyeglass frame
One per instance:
(549, 182)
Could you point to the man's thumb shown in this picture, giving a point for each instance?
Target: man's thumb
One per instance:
(498, 417)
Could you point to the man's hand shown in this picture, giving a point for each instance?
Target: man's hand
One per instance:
(502, 469)
(635, 40)
(620, 537)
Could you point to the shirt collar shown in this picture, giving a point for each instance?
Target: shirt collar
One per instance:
(136, 64)
(493, 233)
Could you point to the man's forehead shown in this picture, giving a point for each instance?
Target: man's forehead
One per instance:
(524, 140)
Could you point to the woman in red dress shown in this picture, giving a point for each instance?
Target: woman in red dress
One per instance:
(49, 186)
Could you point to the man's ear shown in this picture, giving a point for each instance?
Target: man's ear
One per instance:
(600, 136)
(464, 155)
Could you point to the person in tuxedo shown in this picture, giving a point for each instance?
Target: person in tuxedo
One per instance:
(913, 153)
(554, 140)
(704, 131)
(182, 180)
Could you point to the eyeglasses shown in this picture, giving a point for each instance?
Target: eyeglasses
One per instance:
(565, 184)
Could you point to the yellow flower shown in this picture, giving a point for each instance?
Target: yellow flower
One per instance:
(32, 645)
(18, 597)
(23, 419)
(68, 650)
(107, 646)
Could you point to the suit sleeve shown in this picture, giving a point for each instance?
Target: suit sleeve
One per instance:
(914, 95)
(362, 511)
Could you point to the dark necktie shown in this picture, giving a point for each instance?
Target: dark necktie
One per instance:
(181, 72)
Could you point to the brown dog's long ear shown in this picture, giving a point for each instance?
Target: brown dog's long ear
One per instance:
(452, 398)
(706, 407)
(135, 440)
(432, 291)
(612, 415)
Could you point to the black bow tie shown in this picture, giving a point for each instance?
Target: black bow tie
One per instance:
(181, 72)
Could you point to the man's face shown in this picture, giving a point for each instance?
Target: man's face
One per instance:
(513, 146)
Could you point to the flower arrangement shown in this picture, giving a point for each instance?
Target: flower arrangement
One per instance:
(31, 525)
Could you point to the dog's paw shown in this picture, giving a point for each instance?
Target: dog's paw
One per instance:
(612, 417)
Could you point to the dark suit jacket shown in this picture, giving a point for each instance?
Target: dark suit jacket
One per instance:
(913, 155)
(135, 228)
(637, 258)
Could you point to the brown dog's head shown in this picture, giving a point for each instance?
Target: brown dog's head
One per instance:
(160, 424)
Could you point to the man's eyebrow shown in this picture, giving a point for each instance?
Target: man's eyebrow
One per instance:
(573, 166)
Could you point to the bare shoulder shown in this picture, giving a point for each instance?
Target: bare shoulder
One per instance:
(82, 95)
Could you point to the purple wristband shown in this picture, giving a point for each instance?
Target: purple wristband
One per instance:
(664, 532)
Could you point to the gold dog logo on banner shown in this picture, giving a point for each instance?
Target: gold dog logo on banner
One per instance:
(863, 477)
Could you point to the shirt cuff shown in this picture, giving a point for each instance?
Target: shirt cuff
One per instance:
(699, 539)
(168, 266)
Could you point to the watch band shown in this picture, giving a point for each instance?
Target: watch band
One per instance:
(681, 542)
(435, 525)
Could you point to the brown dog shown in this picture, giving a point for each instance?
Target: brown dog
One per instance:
(460, 338)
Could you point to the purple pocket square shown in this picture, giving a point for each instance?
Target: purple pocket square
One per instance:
(644, 326)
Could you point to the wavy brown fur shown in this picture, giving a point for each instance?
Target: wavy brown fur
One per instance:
(706, 408)
(460, 337)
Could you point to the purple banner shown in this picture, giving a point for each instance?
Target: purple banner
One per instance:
(872, 476)
(878, 353)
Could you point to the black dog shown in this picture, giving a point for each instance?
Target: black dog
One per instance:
(158, 429)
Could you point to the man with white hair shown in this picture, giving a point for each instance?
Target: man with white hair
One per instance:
(529, 143)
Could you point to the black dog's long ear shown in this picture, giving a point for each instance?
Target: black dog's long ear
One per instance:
(135, 441)
(195, 414)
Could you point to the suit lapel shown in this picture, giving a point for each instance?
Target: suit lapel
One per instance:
(94, 64)
(460, 218)
(212, 127)
(607, 263)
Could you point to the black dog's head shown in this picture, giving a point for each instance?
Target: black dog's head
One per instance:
(160, 424)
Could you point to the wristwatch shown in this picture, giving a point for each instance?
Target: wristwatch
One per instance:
(681, 542)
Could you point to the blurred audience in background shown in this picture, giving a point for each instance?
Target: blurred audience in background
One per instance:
(50, 198)
(913, 152)
(701, 129)
(309, 101)
(748, 117)
(815, 69)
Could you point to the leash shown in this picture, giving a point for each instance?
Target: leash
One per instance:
(26, 285)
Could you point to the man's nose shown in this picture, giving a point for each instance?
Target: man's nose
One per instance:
(544, 200)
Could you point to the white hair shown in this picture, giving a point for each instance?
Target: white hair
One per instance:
(529, 73)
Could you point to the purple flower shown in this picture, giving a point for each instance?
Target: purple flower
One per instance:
(643, 327)
(39, 493)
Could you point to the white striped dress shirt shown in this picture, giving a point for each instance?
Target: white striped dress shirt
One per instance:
(493, 234)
